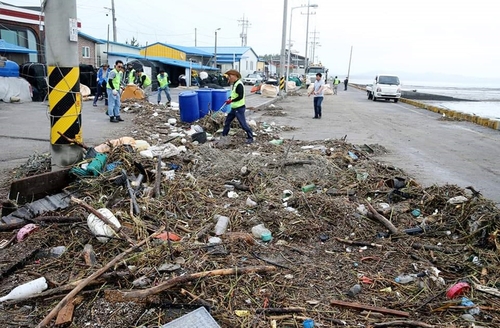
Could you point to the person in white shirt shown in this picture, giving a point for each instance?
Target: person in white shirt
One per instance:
(317, 91)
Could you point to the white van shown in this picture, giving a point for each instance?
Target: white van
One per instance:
(385, 86)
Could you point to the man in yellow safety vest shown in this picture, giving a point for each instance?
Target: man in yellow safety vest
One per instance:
(237, 101)
(336, 83)
(163, 83)
(144, 82)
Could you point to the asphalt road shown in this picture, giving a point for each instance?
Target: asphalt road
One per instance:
(427, 146)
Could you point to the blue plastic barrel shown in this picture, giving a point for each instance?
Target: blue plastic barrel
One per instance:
(219, 96)
(188, 106)
(10, 69)
(204, 101)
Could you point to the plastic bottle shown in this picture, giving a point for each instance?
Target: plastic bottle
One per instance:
(261, 232)
(221, 225)
(405, 278)
(26, 290)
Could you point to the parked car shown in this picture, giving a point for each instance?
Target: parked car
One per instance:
(252, 79)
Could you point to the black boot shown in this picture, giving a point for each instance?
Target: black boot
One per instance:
(119, 119)
(113, 119)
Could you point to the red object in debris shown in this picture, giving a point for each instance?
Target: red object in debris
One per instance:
(168, 235)
(25, 231)
(457, 290)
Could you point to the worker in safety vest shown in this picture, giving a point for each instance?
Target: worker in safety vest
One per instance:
(130, 74)
(336, 82)
(237, 101)
(163, 83)
(144, 82)
(113, 88)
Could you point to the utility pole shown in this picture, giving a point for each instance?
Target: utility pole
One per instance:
(195, 37)
(307, 31)
(314, 43)
(283, 40)
(349, 69)
(244, 30)
(306, 61)
(114, 19)
(65, 103)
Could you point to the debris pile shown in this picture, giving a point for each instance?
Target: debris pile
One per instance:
(278, 233)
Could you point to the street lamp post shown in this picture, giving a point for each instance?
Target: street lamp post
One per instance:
(290, 40)
(215, 49)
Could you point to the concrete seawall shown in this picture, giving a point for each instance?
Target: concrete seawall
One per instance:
(487, 122)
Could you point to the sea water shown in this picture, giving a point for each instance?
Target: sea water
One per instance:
(486, 97)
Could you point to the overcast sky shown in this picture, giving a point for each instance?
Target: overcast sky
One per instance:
(390, 36)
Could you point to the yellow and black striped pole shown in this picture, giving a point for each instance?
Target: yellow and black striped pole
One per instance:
(65, 103)
(65, 106)
(282, 83)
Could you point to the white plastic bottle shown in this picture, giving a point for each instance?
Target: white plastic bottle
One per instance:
(405, 278)
(221, 225)
(23, 291)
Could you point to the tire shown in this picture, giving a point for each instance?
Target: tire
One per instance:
(374, 98)
(396, 100)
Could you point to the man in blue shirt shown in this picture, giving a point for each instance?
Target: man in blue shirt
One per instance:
(317, 91)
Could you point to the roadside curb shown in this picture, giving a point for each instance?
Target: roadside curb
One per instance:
(486, 122)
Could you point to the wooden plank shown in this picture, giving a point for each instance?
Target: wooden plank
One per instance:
(65, 316)
(359, 306)
(29, 189)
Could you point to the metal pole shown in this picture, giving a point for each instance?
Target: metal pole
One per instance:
(215, 49)
(283, 40)
(107, 47)
(349, 69)
(61, 35)
(195, 37)
(307, 33)
(114, 19)
(289, 49)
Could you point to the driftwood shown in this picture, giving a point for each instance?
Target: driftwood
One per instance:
(238, 186)
(91, 278)
(290, 163)
(403, 323)
(119, 296)
(359, 306)
(381, 219)
(157, 186)
(131, 193)
(103, 218)
(432, 248)
(281, 310)
(357, 243)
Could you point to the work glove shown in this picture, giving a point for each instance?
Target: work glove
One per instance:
(115, 93)
(227, 102)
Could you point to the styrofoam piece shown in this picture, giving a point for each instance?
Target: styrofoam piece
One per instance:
(199, 318)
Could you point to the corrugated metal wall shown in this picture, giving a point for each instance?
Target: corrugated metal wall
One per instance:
(158, 50)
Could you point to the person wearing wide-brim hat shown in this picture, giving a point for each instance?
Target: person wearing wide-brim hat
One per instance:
(237, 101)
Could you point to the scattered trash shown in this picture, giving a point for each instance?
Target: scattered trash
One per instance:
(308, 323)
(457, 289)
(26, 290)
(473, 309)
(416, 213)
(354, 290)
(26, 231)
(457, 200)
(308, 188)
(197, 318)
(101, 229)
(261, 232)
(221, 225)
